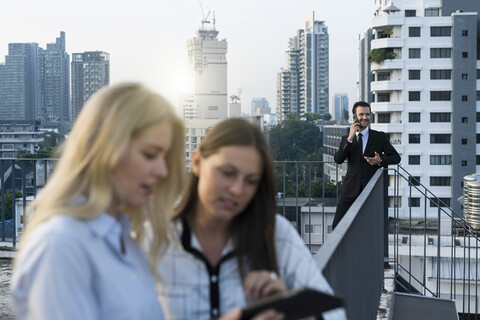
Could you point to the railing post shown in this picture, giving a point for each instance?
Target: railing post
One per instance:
(385, 219)
(2, 180)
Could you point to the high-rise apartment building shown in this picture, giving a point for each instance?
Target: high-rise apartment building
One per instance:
(302, 87)
(340, 108)
(18, 82)
(207, 67)
(90, 72)
(419, 65)
(54, 92)
(260, 106)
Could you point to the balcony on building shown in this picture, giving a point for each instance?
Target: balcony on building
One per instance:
(387, 85)
(388, 20)
(387, 106)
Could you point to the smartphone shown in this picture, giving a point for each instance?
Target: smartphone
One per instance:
(295, 304)
(355, 119)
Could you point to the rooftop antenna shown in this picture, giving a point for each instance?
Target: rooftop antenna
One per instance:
(205, 18)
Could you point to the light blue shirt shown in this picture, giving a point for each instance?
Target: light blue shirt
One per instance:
(75, 269)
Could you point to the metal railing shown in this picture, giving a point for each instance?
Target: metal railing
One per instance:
(430, 260)
(438, 256)
(19, 183)
(352, 257)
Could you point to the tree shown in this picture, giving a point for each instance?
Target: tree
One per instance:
(8, 203)
(48, 148)
(312, 116)
(292, 116)
(48, 152)
(327, 116)
(379, 55)
(295, 140)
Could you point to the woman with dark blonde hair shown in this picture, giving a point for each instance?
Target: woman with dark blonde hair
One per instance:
(122, 165)
(234, 248)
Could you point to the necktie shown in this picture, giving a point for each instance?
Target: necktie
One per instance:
(360, 142)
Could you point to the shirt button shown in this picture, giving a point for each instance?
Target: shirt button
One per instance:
(214, 279)
(215, 312)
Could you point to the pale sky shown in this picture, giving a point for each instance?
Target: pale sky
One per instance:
(147, 39)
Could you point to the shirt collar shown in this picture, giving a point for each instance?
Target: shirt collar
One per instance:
(111, 229)
(364, 132)
(190, 242)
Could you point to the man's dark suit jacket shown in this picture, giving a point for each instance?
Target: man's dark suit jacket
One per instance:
(359, 171)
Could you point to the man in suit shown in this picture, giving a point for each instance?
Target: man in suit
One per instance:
(366, 151)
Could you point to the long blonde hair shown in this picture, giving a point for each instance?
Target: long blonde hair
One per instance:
(100, 137)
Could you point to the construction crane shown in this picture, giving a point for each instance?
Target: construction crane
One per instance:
(205, 19)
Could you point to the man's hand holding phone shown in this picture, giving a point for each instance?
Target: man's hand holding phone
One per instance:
(354, 128)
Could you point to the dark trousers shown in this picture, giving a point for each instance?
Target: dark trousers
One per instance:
(342, 207)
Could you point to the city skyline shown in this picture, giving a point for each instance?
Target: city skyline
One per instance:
(150, 44)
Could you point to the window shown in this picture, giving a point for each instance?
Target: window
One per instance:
(478, 138)
(313, 228)
(414, 74)
(414, 53)
(413, 160)
(383, 97)
(464, 76)
(464, 119)
(440, 202)
(464, 163)
(383, 117)
(441, 160)
(440, 74)
(478, 162)
(478, 116)
(464, 54)
(478, 96)
(464, 141)
(432, 12)
(383, 76)
(413, 95)
(440, 95)
(414, 181)
(478, 74)
(440, 117)
(465, 33)
(438, 53)
(414, 138)
(410, 13)
(440, 31)
(464, 98)
(440, 138)
(414, 32)
(414, 117)
(414, 202)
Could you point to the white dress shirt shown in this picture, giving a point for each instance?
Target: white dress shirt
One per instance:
(192, 289)
(76, 269)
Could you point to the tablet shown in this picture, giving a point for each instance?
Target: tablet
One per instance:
(300, 303)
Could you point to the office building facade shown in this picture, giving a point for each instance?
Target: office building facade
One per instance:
(340, 108)
(260, 106)
(207, 68)
(18, 83)
(90, 72)
(303, 86)
(419, 65)
(54, 92)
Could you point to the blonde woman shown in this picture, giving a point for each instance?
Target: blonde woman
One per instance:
(122, 164)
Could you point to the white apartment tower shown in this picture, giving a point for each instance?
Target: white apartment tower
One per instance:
(419, 65)
(207, 68)
(302, 87)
